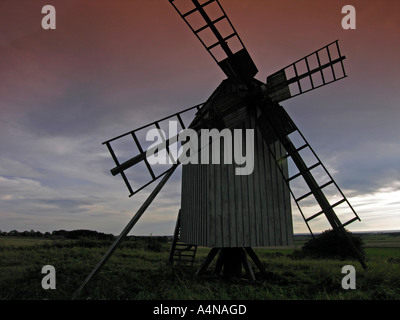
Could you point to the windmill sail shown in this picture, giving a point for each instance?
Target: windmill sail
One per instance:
(209, 22)
(130, 151)
(327, 196)
(315, 70)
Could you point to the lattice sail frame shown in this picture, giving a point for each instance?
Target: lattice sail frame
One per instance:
(213, 28)
(315, 70)
(138, 148)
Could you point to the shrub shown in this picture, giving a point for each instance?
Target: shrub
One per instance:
(332, 244)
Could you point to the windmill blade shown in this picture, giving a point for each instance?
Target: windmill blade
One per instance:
(210, 24)
(130, 151)
(315, 70)
(276, 125)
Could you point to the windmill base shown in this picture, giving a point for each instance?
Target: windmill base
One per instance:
(230, 261)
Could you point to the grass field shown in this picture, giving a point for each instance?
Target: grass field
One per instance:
(139, 272)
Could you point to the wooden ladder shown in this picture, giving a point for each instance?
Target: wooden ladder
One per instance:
(181, 252)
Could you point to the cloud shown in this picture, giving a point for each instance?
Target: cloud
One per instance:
(107, 70)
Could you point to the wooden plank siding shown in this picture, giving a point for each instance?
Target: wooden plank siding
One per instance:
(221, 209)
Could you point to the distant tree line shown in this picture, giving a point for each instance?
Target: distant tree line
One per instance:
(80, 234)
(90, 238)
(74, 234)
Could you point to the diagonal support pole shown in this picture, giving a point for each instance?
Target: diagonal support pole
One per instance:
(128, 228)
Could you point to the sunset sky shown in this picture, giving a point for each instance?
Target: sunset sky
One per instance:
(112, 66)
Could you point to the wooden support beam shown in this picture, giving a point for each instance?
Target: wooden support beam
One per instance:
(128, 228)
(256, 260)
(246, 265)
(230, 261)
(211, 255)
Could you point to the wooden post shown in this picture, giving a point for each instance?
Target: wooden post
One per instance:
(230, 261)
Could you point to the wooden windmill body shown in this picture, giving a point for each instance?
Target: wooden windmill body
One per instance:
(219, 209)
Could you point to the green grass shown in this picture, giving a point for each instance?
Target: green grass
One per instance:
(136, 272)
(18, 242)
(383, 252)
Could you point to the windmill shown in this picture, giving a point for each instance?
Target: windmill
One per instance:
(231, 213)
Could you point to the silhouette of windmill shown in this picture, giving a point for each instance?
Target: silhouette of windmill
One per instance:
(221, 210)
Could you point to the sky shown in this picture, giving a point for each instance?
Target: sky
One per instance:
(112, 66)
